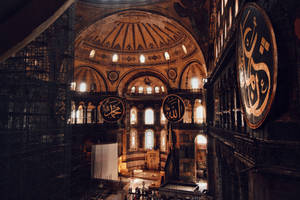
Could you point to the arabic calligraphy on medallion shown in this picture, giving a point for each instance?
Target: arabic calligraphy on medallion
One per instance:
(112, 109)
(256, 64)
(173, 108)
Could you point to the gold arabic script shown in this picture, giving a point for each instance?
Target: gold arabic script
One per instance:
(255, 78)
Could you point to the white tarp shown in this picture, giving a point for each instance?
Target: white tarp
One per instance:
(105, 161)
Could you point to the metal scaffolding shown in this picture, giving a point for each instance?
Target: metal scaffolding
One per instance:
(34, 108)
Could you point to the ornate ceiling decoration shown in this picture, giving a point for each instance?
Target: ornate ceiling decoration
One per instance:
(132, 33)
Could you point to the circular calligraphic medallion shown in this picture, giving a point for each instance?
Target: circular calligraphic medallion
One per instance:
(173, 108)
(112, 109)
(256, 64)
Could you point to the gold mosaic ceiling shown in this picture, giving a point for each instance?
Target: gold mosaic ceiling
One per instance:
(132, 33)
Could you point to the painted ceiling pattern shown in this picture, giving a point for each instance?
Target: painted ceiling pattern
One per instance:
(132, 33)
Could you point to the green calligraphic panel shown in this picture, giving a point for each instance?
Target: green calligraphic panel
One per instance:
(112, 109)
(256, 64)
(173, 108)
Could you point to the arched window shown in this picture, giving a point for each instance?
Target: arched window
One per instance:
(163, 119)
(187, 117)
(73, 86)
(198, 112)
(133, 116)
(133, 139)
(195, 83)
(89, 114)
(149, 90)
(149, 139)
(156, 89)
(73, 114)
(82, 87)
(149, 116)
(79, 115)
(163, 140)
(133, 89)
(141, 89)
(201, 140)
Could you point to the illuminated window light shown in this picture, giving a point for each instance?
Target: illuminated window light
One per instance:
(163, 119)
(184, 49)
(199, 114)
(77, 114)
(132, 142)
(167, 56)
(149, 90)
(195, 83)
(82, 87)
(133, 116)
(142, 58)
(156, 89)
(149, 139)
(149, 116)
(133, 89)
(115, 58)
(92, 53)
(73, 85)
(141, 89)
(133, 137)
(73, 116)
(201, 139)
(202, 186)
(162, 89)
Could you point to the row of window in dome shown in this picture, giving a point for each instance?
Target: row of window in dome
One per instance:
(147, 90)
(142, 58)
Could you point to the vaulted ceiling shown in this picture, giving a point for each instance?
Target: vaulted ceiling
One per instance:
(133, 33)
(129, 39)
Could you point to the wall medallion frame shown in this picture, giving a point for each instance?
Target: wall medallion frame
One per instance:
(257, 64)
(173, 108)
(172, 74)
(112, 109)
(113, 76)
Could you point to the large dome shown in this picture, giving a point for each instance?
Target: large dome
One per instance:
(132, 33)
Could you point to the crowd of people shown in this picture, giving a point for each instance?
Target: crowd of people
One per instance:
(149, 194)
